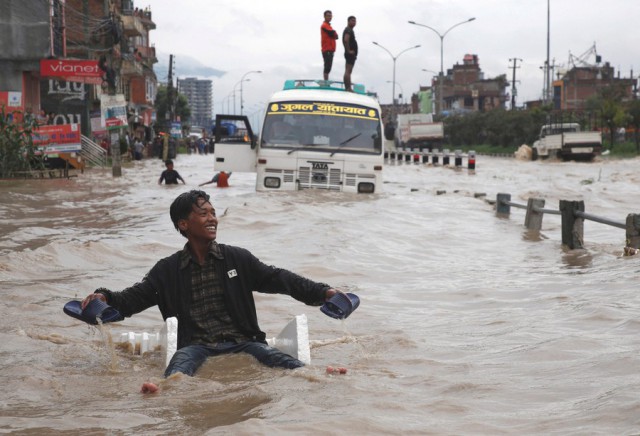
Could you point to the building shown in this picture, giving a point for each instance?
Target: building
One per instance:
(30, 32)
(465, 89)
(60, 56)
(573, 89)
(199, 94)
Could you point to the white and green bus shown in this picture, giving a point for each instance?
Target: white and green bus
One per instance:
(315, 135)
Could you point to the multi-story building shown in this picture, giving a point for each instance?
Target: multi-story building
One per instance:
(573, 89)
(464, 88)
(30, 32)
(106, 39)
(199, 94)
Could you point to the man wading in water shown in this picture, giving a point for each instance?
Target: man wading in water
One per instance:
(209, 288)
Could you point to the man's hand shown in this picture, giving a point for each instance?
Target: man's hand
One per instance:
(330, 293)
(93, 297)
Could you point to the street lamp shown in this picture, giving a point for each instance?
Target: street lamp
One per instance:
(431, 103)
(401, 90)
(234, 92)
(441, 35)
(242, 80)
(394, 74)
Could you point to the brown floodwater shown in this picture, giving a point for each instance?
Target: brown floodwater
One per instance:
(468, 323)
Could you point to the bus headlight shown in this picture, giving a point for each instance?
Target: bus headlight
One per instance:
(271, 182)
(366, 188)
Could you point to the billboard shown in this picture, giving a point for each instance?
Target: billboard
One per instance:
(113, 110)
(61, 138)
(72, 70)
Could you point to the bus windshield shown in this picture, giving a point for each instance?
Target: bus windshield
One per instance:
(322, 126)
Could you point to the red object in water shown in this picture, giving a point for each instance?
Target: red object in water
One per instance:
(332, 370)
(149, 388)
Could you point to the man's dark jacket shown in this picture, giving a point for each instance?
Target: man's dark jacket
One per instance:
(169, 286)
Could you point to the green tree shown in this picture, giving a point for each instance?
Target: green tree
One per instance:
(609, 103)
(162, 107)
(17, 152)
(634, 120)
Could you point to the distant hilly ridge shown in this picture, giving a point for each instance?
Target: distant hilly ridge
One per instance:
(184, 66)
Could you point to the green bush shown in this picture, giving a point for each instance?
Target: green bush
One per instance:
(17, 152)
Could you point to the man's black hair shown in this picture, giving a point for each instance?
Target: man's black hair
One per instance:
(182, 206)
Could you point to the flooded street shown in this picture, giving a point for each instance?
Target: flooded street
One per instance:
(468, 324)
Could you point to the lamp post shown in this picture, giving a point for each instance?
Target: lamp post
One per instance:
(394, 73)
(228, 102)
(441, 35)
(242, 80)
(234, 92)
(401, 90)
(432, 104)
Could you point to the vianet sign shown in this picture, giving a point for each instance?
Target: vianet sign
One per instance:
(69, 68)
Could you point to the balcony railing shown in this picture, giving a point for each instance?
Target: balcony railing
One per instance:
(131, 67)
(132, 25)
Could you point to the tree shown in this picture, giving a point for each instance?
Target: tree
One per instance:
(162, 107)
(17, 152)
(608, 102)
(634, 119)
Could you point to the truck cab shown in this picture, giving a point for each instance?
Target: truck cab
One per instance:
(315, 135)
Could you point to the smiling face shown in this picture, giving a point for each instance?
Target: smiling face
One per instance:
(202, 224)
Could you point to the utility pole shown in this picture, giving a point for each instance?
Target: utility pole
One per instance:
(514, 90)
(547, 71)
(170, 92)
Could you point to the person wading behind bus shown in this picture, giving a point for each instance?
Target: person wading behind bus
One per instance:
(350, 50)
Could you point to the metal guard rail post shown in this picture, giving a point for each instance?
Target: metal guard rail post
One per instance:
(573, 216)
(419, 156)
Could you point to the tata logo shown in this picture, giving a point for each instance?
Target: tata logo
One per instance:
(320, 165)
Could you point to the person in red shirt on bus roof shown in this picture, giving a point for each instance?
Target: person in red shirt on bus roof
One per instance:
(328, 38)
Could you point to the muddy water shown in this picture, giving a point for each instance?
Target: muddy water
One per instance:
(468, 323)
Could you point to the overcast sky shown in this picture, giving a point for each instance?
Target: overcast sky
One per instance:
(282, 39)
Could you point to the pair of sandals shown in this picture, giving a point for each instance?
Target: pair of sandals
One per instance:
(340, 306)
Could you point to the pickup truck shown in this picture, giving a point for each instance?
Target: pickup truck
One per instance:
(566, 141)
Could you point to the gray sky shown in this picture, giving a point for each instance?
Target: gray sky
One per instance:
(282, 38)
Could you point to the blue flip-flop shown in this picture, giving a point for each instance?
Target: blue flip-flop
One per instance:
(95, 309)
(341, 305)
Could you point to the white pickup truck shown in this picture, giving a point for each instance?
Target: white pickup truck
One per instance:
(566, 141)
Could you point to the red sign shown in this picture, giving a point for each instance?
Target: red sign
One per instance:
(58, 138)
(113, 122)
(72, 70)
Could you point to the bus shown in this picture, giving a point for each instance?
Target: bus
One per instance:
(315, 135)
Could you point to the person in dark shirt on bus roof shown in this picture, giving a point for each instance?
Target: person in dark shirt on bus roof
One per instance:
(170, 176)
(350, 51)
(328, 38)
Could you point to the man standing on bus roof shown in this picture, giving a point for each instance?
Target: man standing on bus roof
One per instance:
(328, 38)
(350, 50)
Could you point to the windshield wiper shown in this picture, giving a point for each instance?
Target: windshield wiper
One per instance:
(304, 147)
(345, 142)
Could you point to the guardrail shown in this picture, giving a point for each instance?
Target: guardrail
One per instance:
(436, 157)
(573, 216)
